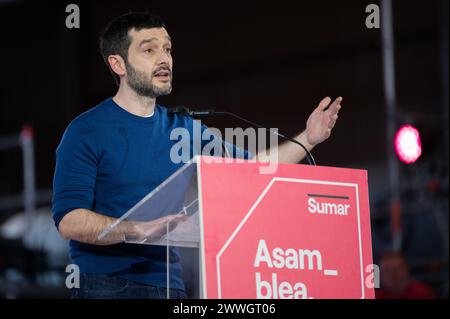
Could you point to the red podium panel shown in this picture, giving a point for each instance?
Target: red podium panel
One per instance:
(302, 232)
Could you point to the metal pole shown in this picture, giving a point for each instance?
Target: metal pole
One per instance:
(444, 68)
(29, 191)
(387, 35)
(441, 217)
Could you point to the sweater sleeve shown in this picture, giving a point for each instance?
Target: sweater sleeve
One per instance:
(75, 171)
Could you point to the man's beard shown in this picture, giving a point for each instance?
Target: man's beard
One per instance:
(142, 85)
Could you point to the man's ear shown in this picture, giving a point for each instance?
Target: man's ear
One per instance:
(117, 64)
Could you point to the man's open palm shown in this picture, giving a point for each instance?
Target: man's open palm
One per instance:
(322, 120)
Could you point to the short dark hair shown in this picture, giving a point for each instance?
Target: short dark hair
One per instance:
(114, 39)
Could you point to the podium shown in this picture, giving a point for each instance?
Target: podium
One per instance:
(301, 232)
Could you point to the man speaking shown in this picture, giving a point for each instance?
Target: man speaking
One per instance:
(114, 154)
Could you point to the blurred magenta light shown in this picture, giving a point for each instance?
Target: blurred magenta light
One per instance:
(407, 144)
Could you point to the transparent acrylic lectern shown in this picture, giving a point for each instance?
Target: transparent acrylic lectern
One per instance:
(168, 218)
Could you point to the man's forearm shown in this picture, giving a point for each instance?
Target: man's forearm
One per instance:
(84, 226)
(286, 152)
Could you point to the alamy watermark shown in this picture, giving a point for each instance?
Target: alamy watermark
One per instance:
(373, 19)
(372, 276)
(73, 17)
(209, 142)
(73, 277)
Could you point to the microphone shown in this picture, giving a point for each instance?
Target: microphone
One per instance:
(183, 110)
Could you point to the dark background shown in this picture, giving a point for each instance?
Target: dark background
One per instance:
(271, 62)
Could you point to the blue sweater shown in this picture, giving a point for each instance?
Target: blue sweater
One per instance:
(107, 161)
